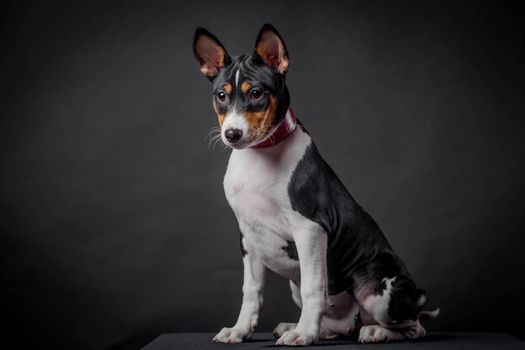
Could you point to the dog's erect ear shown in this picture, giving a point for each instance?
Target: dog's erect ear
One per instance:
(210, 53)
(270, 47)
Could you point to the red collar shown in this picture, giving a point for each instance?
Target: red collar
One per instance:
(282, 131)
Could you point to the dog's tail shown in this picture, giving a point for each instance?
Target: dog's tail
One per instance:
(428, 315)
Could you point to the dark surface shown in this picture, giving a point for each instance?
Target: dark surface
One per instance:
(114, 226)
(454, 341)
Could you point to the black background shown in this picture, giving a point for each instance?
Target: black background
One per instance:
(114, 223)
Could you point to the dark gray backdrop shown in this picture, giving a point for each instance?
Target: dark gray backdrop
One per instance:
(114, 224)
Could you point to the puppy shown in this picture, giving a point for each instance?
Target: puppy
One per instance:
(295, 216)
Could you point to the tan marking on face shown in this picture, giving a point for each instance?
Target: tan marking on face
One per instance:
(228, 88)
(219, 116)
(245, 87)
(259, 122)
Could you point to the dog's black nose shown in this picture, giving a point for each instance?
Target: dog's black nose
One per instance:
(233, 135)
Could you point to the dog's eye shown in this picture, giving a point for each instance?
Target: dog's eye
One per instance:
(221, 96)
(256, 94)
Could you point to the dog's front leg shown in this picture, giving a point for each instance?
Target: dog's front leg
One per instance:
(311, 246)
(252, 300)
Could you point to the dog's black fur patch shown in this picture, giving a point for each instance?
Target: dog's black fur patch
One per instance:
(358, 252)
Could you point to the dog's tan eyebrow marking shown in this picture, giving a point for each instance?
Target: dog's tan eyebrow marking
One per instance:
(245, 87)
(228, 88)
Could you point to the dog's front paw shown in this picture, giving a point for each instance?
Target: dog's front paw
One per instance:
(231, 335)
(295, 337)
(373, 334)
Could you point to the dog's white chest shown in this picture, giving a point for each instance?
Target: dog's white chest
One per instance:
(256, 187)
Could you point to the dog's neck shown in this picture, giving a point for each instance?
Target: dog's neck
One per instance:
(280, 132)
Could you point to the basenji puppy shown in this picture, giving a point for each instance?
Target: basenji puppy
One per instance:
(295, 216)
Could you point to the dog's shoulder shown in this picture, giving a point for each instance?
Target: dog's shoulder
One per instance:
(316, 192)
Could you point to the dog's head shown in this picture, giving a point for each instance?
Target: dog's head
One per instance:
(249, 92)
